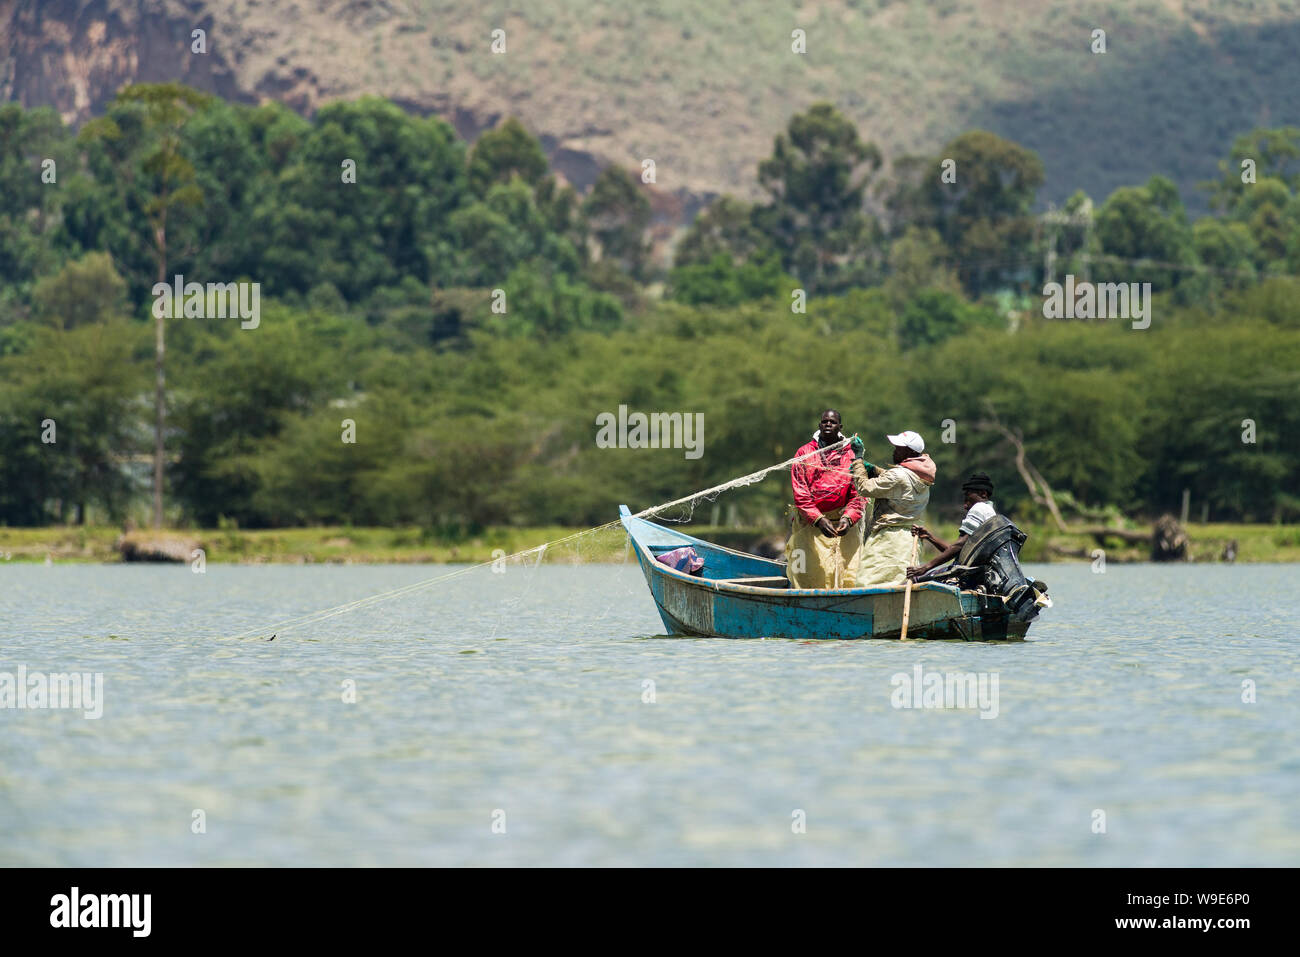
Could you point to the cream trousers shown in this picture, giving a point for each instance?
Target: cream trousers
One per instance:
(815, 561)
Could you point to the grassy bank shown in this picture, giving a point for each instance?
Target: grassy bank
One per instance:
(1254, 543)
(1208, 542)
(291, 545)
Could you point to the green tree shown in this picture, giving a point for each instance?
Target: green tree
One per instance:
(503, 230)
(725, 226)
(933, 315)
(1269, 153)
(510, 153)
(816, 180)
(1227, 252)
(618, 214)
(550, 303)
(235, 174)
(978, 195)
(504, 153)
(85, 291)
(234, 401)
(392, 222)
(1265, 210)
(1144, 230)
(723, 282)
(30, 206)
(85, 381)
(1072, 394)
(561, 209)
(919, 260)
(149, 156)
(1198, 390)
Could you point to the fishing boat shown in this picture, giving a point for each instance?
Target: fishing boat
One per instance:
(725, 593)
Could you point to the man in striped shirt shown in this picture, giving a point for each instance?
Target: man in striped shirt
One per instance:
(977, 499)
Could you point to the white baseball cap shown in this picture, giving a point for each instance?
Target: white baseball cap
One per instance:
(908, 440)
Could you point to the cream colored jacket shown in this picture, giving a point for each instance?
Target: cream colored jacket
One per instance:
(900, 495)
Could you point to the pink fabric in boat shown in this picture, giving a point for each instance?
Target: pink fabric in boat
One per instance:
(683, 559)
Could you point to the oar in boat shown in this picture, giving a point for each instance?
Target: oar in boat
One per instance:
(839, 562)
(907, 590)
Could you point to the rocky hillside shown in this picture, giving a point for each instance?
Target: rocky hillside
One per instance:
(701, 87)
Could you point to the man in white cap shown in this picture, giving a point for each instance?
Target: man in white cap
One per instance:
(901, 494)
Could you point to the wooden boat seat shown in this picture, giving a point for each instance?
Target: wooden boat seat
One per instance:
(758, 581)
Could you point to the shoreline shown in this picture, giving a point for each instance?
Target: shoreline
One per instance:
(379, 546)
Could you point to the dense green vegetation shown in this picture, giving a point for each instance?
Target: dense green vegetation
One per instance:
(470, 316)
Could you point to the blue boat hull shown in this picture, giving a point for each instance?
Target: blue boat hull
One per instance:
(737, 595)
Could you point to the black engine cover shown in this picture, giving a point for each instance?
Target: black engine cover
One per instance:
(992, 557)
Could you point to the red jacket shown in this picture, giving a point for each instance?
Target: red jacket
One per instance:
(823, 483)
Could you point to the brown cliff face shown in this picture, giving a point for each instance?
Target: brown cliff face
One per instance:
(75, 55)
(702, 87)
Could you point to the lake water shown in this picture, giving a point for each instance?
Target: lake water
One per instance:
(520, 700)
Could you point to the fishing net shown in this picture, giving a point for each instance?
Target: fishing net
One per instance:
(509, 589)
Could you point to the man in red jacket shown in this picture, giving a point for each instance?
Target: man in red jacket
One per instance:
(825, 529)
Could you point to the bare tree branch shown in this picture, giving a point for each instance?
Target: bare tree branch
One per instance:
(1039, 490)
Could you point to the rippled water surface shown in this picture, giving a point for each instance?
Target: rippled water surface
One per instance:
(521, 698)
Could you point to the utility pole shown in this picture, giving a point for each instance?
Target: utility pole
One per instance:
(160, 383)
(1056, 219)
(1086, 213)
(1049, 218)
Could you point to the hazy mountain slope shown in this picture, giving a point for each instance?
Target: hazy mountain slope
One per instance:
(701, 87)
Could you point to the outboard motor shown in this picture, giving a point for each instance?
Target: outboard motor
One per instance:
(991, 559)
